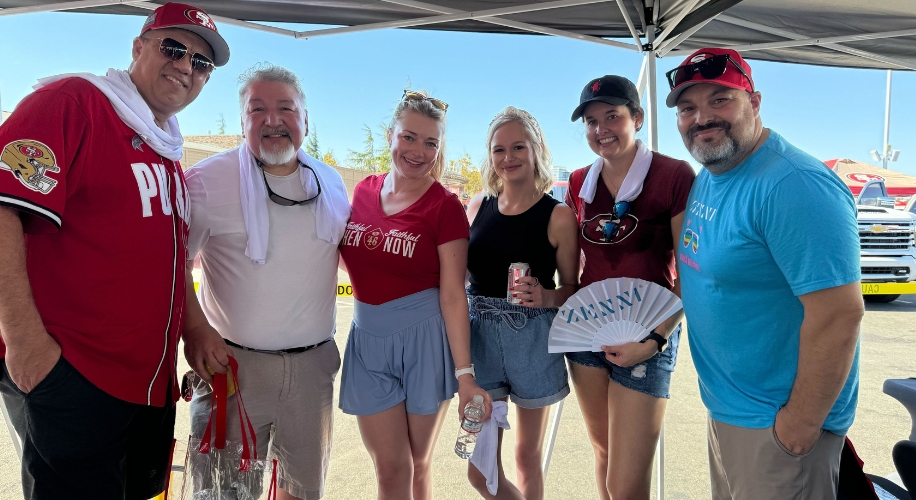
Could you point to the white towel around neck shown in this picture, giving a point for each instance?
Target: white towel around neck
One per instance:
(484, 456)
(331, 209)
(632, 183)
(132, 109)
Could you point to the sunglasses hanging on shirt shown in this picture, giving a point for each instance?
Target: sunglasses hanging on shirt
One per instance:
(607, 226)
(286, 202)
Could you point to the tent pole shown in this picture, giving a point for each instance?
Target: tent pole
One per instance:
(887, 121)
(552, 437)
(652, 122)
(651, 97)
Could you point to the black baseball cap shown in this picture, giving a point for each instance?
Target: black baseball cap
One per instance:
(612, 89)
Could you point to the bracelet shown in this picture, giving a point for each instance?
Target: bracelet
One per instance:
(465, 370)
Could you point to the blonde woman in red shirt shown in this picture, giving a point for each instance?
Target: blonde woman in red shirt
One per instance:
(409, 349)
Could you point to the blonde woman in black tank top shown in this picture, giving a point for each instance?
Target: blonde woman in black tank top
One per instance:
(514, 220)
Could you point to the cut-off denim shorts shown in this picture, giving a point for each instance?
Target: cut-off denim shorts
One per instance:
(509, 352)
(652, 376)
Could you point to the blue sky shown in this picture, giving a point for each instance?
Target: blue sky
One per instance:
(356, 79)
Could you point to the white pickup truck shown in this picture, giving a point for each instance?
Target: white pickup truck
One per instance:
(888, 248)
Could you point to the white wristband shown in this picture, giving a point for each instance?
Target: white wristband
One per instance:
(463, 371)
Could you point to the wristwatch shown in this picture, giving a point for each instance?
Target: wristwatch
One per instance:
(662, 341)
(462, 371)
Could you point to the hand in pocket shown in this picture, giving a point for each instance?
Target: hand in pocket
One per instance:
(31, 361)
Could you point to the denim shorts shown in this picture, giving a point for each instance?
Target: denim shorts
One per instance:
(652, 376)
(509, 352)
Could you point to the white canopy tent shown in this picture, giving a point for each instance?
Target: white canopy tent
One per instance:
(843, 33)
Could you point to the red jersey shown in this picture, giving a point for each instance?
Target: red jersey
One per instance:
(644, 248)
(106, 228)
(393, 256)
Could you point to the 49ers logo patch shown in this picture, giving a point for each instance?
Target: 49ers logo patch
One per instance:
(30, 162)
(199, 17)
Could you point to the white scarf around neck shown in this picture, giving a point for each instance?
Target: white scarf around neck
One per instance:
(331, 209)
(132, 109)
(631, 186)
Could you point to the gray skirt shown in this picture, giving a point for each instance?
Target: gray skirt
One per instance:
(397, 351)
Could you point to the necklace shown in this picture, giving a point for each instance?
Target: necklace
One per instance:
(616, 188)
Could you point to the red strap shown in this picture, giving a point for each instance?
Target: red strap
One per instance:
(218, 407)
(272, 491)
(244, 421)
(220, 395)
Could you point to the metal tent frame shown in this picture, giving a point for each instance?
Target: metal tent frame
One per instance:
(845, 33)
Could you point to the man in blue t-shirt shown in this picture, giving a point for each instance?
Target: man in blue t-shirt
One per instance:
(769, 266)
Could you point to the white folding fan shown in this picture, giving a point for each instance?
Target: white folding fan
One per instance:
(610, 312)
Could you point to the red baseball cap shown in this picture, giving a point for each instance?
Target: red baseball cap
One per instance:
(188, 17)
(736, 75)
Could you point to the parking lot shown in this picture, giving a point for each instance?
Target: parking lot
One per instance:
(888, 342)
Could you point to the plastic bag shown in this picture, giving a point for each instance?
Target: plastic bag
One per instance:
(217, 469)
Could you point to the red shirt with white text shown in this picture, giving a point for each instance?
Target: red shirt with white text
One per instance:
(106, 229)
(393, 256)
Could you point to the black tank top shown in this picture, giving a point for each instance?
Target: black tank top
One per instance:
(498, 240)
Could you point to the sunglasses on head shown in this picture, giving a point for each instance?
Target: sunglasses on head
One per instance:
(709, 68)
(175, 51)
(410, 95)
(286, 202)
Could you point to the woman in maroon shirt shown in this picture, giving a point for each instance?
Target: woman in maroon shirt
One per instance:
(623, 391)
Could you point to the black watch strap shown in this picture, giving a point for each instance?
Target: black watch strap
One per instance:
(661, 341)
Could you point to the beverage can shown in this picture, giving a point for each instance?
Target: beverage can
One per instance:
(516, 271)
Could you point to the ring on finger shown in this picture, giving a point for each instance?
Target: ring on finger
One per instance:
(536, 282)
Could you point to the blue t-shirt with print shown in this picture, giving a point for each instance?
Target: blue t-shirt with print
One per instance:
(777, 226)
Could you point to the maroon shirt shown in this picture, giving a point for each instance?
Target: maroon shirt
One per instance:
(643, 249)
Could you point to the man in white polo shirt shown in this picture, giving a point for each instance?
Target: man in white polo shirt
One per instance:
(266, 221)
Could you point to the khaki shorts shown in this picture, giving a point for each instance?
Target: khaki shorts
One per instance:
(751, 464)
(289, 399)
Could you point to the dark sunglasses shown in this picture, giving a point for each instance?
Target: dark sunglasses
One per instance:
(709, 68)
(410, 95)
(286, 202)
(175, 51)
(608, 224)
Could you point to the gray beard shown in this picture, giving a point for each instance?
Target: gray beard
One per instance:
(718, 159)
(281, 157)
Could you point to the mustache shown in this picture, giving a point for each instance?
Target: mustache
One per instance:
(275, 131)
(696, 129)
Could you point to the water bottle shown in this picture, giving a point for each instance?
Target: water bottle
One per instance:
(470, 426)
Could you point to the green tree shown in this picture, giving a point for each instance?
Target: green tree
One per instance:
(384, 153)
(372, 158)
(311, 147)
(221, 123)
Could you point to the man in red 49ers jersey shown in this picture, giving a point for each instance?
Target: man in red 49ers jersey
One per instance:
(93, 232)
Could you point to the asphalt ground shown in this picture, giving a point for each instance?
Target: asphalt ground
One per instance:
(888, 344)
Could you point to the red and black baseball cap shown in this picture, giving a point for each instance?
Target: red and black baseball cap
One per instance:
(188, 17)
(612, 89)
(723, 67)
